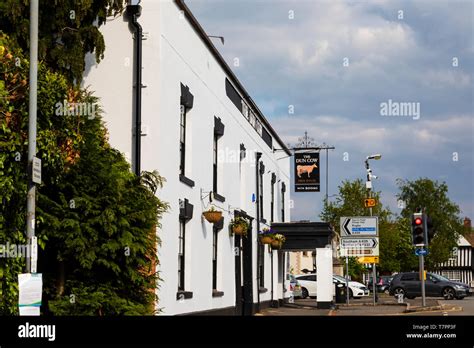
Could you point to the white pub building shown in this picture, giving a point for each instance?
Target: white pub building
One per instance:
(199, 128)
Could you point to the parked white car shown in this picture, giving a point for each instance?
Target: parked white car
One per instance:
(308, 286)
(356, 289)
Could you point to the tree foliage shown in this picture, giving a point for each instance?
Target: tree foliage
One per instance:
(68, 30)
(394, 241)
(433, 196)
(96, 221)
(396, 248)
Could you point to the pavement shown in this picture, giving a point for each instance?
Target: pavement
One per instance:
(386, 306)
(451, 308)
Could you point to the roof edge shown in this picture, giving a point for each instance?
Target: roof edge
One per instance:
(200, 31)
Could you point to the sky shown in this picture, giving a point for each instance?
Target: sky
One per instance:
(389, 77)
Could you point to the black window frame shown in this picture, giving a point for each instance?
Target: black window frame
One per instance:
(182, 255)
(283, 190)
(261, 265)
(218, 133)
(182, 140)
(272, 197)
(261, 186)
(215, 149)
(186, 104)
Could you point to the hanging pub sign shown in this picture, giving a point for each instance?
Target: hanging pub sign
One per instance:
(307, 172)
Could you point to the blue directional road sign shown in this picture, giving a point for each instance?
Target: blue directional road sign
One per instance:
(359, 226)
(419, 252)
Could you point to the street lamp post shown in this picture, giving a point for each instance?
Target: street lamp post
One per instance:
(369, 191)
(32, 115)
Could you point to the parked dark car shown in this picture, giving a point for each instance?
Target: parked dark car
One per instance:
(383, 284)
(409, 285)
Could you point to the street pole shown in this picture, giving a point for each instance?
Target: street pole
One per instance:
(327, 174)
(347, 279)
(32, 114)
(374, 271)
(422, 275)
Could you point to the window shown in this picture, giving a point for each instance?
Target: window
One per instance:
(261, 265)
(452, 275)
(409, 277)
(181, 241)
(218, 132)
(252, 118)
(311, 278)
(260, 189)
(283, 190)
(214, 258)
(245, 110)
(233, 95)
(258, 127)
(187, 100)
(267, 138)
(272, 197)
(182, 140)
(214, 164)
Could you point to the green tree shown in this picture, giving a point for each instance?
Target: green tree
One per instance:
(350, 202)
(396, 253)
(68, 30)
(96, 221)
(433, 196)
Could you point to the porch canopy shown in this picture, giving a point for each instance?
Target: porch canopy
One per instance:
(301, 236)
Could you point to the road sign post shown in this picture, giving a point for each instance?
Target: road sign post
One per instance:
(422, 276)
(347, 279)
(359, 237)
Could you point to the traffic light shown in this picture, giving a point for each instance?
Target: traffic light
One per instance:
(419, 230)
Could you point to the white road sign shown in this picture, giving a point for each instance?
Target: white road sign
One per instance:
(370, 243)
(367, 246)
(359, 226)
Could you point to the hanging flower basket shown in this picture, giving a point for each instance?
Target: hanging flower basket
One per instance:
(266, 236)
(278, 240)
(239, 230)
(276, 244)
(266, 239)
(212, 215)
(239, 226)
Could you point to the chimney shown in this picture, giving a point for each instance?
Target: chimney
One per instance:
(467, 223)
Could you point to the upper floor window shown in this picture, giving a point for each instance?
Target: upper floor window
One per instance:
(182, 141)
(260, 189)
(272, 197)
(218, 132)
(187, 100)
(283, 190)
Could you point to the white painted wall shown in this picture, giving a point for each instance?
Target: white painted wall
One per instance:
(172, 54)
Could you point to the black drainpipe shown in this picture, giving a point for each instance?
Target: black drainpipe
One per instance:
(134, 11)
(257, 200)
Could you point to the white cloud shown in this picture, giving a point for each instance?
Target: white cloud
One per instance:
(300, 62)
